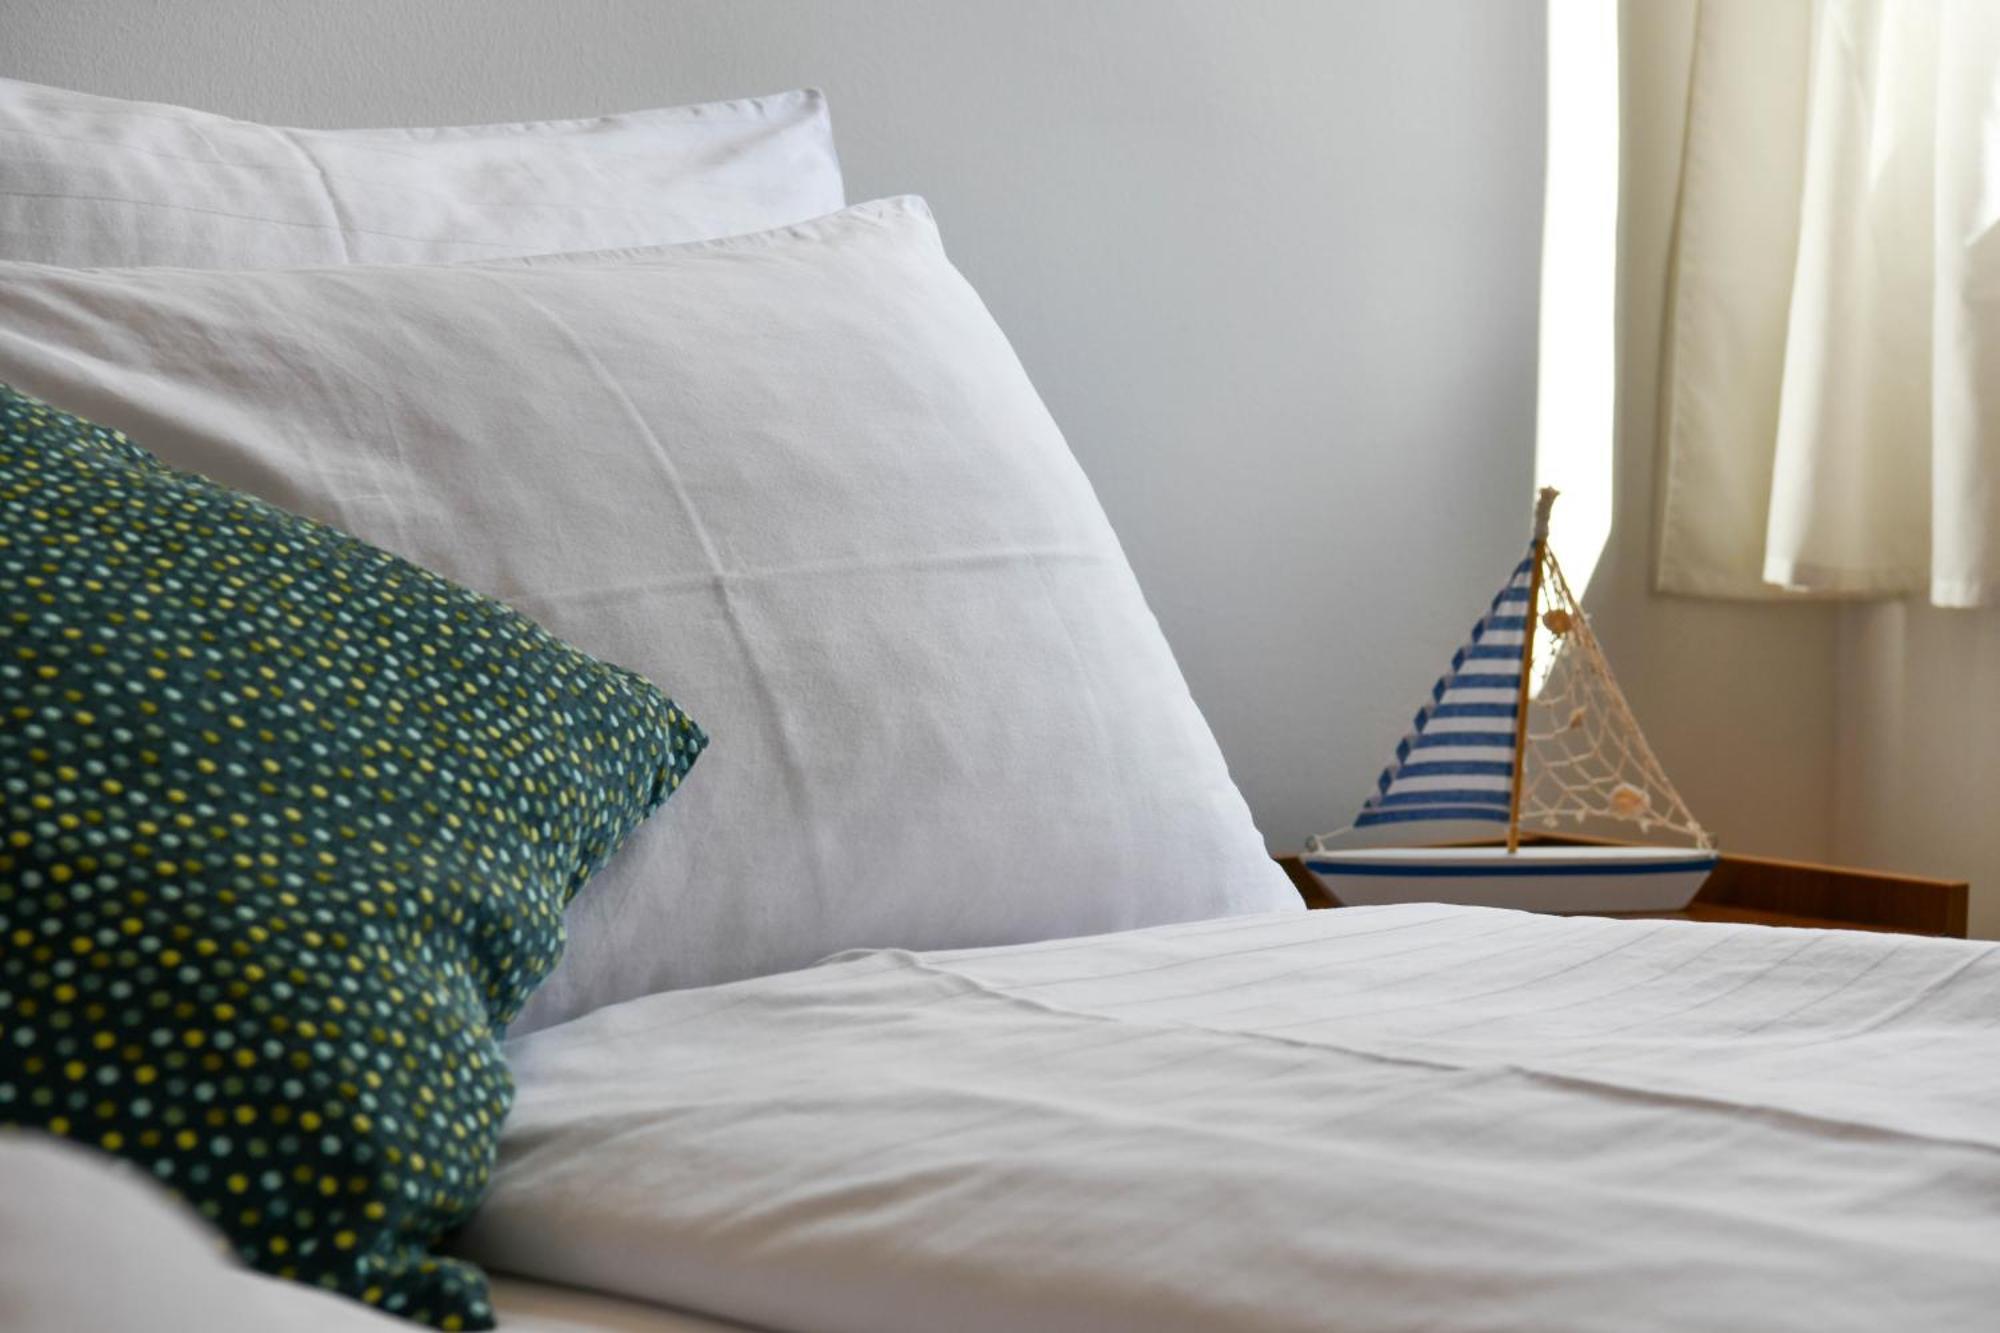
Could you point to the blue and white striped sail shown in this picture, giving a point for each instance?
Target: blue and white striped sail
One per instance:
(1452, 775)
(1583, 765)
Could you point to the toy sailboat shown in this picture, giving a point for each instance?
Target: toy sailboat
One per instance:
(1526, 729)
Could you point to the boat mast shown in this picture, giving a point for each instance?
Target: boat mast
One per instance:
(1538, 553)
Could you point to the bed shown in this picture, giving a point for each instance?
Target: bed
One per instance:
(542, 1307)
(1385, 1118)
(953, 988)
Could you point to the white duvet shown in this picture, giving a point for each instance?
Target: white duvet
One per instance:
(1397, 1118)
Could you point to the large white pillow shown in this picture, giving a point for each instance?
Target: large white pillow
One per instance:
(99, 181)
(799, 474)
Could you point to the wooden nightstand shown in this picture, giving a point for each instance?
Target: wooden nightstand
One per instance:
(1766, 892)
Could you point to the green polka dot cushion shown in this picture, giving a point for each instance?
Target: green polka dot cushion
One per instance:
(289, 829)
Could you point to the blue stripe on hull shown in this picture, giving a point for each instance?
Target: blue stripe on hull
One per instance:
(1398, 870)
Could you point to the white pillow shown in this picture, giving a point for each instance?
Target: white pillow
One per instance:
(799, 474)
(90, 1242)
(99, 181)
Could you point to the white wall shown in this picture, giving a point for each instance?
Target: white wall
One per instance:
(1272, 263)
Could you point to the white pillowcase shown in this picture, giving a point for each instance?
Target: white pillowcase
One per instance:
(100, 181)
(90, 1242)
(801, 478)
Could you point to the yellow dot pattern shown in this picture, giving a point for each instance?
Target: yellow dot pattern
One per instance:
(289, 826)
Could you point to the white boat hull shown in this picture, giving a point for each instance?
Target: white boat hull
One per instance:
(1537, 878)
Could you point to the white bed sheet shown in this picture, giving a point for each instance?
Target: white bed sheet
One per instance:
(524, 1306)
(1410, 1117)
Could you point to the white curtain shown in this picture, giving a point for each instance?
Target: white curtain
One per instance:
(1832, 394)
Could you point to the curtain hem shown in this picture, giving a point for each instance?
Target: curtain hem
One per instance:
(1747, 588)
(1829, 581)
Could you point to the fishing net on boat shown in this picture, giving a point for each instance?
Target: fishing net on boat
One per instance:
(1585, 757)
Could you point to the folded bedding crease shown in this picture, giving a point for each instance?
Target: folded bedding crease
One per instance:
(1405, 1117)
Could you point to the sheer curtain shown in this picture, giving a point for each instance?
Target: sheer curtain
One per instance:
(1832, 396)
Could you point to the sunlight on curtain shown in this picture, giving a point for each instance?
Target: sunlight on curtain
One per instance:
(1833, 396)
(1850, 485)
(1576, 389)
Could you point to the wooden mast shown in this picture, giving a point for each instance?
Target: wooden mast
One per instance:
(1543, 503)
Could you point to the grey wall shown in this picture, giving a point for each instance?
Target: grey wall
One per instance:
(1273, 263)
(1918, 736)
